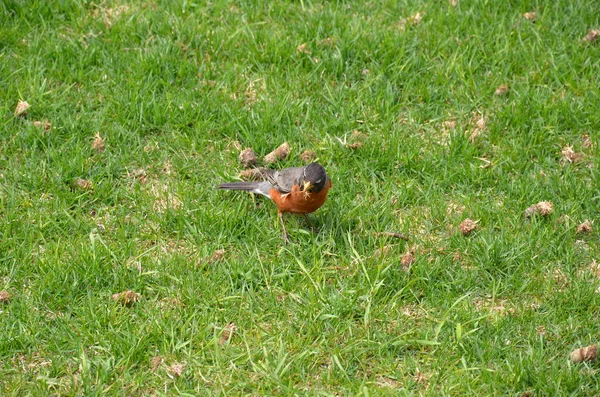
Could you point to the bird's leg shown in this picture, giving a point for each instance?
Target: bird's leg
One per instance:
(312, 227)
(285, 235)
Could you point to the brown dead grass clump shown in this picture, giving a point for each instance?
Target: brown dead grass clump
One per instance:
(175, 370)
(126, 298)
(303, 48)
(278, 154)
(109, 15)
(5, 296)
(253, 174)
(358, 138)
(22, 109)
(228, 333)
(98, 143)
(449, 124)
(82, 184)
(585, 227)
(407, 260)
(413, 20)
(308, 156)
(571, 156)
(501, 90)
(543, 208)
(248, 157)
(44, 124)
(588, 353)
(141, 175)
(467, 226)
(355, 145)
(164, 199)
(479, 123)
(155, 362)
(217, 256)
(592, 36)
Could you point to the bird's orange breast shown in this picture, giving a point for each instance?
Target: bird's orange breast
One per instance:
(299, 202)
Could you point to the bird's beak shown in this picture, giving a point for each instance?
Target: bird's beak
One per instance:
(306, 186)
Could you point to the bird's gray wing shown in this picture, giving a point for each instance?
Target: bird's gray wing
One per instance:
(284, 179)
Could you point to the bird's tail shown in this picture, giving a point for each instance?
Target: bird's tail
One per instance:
(254, 187)
(247, 186)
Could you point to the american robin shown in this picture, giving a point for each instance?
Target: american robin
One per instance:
(299, 190)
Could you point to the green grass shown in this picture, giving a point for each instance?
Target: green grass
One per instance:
(177, 88)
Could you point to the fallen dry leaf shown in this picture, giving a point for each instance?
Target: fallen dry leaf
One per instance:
(176, 370)
(308, 156)
(22, 109)
(592, 36)
(126, 298)
(530, 16)
(467, 226)
(98, 143)
(227, 334)
(45, 124)
(588, 353)
(585, 227)
(407, 260)
(248, 157)
(5, 296)
(278, 154)
(303, 48)
(81, 184)
(543, 208)
(501, 90)
(571, 156)
(453, 3)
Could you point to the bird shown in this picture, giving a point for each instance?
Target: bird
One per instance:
(297, 190)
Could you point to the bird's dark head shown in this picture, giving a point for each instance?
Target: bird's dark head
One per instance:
(313, 178)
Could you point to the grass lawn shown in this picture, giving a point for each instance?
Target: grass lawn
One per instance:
(424, 113)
